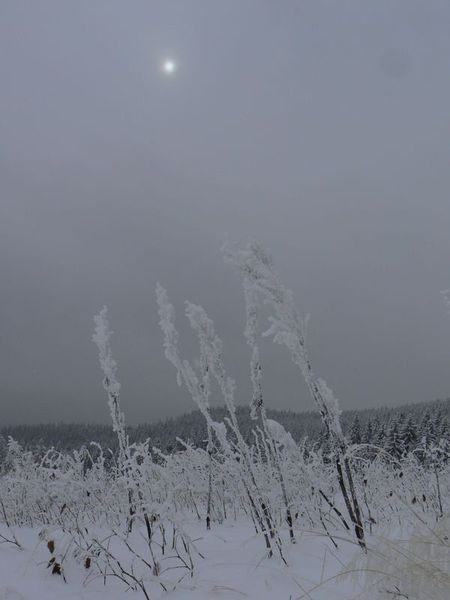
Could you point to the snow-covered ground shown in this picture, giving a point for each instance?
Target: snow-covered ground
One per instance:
(233, 567)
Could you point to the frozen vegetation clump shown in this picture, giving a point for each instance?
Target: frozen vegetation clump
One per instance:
(373, 496)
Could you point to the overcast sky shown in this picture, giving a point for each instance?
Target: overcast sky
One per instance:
(321, 128)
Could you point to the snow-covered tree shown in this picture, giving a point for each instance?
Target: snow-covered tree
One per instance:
(393, 444)
(354, 433)
(367, 436)
(408, 434)
(428, 429)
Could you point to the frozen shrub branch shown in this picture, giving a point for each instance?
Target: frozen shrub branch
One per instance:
(108, 365)
(289, 329)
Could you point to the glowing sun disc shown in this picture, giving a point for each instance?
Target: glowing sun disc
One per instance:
(169, 67)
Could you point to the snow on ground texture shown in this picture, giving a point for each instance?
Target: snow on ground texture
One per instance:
(233, 568)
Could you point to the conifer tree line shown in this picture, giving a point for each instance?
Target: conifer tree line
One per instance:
(402, 430)
(397, 430)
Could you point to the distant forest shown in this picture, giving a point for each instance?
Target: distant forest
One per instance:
(398, 429)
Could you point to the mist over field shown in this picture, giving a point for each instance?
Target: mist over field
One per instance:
(225, 303)
(320, 129)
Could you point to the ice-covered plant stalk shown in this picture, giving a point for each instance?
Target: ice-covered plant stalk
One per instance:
(108, 365)
(257, 402)
(198, 386)
(101, 337)
(251, 313)
(211, 359)
(211, 349)
(198, 389)
(289, 329)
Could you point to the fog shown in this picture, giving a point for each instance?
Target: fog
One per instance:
(319, 128)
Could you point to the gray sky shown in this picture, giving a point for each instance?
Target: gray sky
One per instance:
(320, 128)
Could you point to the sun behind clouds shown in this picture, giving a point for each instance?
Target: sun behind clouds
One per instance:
(169, 66)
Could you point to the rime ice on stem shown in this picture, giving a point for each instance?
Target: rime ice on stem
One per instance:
(108, 365)
(289, 329)
(211, 361)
